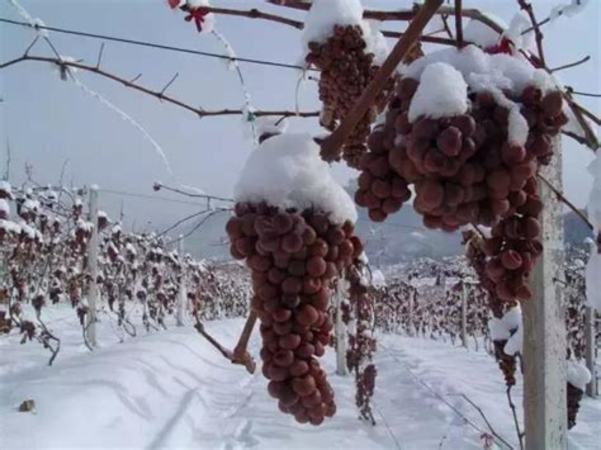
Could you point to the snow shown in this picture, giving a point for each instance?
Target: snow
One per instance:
(568, 9)
(6, 187)
(498, 330)
(270, 125)
(504, 71)
(479, 33)
(10, 226)
(508, 328)
(512, 319)
(442, 92)
(171, 389)
(325, 14)
(377, 278)
(515, 342)
(514, 33)
(287, 171)
(4, 207)
(578, 374)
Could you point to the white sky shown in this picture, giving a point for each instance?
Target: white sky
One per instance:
(49, 121)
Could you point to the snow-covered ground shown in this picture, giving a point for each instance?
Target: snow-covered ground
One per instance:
(170, 389)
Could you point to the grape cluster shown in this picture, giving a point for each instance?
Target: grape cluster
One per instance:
(507, 363)
(294, 257)
(346, 69)
(464, 168)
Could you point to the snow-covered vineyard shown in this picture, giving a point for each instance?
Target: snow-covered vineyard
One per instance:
(297, 335)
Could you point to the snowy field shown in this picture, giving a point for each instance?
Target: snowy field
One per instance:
(172, 390)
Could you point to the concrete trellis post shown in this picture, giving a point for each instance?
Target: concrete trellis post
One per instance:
(544, 348)
(410, 327)
(590, 347)
(93, 291)
(464, 315)
(182, 294)
(340, 329)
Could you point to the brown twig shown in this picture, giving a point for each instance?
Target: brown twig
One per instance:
(100, 54)
(331, 146)
(537, 32)
(564, 200)
(458, 23)
(587, 113)
(401, 14)
(255, 14)
(574, 64)
(200, 112)
(590, 138)
(488, 424)
(447, 28)
(240, 355)
(515, 418)
(585, 94)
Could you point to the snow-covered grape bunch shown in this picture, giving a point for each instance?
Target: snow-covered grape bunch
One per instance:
(294, 226)
(470, 147)
(293, 256)
(468, 130)
(348, 52)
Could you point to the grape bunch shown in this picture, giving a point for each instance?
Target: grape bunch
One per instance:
(467, 169)
(294, 257)
(507, 363)
(464, 168)
(346, 70)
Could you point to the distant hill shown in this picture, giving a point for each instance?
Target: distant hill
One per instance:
(401, 238)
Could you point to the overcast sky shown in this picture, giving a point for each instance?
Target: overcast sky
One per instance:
(48, 122)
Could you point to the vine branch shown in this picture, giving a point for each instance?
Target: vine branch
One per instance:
(160, 95)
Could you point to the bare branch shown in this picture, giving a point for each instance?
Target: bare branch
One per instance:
(458, 23)
(488, 424)
(137, 77)
(564, 200)
(169, 83)
(200, 112)
(515, 418)
(30, 46)
(574, 64)
(537, 32)
(100, 53)
(585, 94)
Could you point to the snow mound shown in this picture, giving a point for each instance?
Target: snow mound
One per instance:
(503, 71)
(578, 375)
(325, 14)
(4, 208)
(269, 125)
(442, 92)
(512, 319)
(287, 171)
(378, 279)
